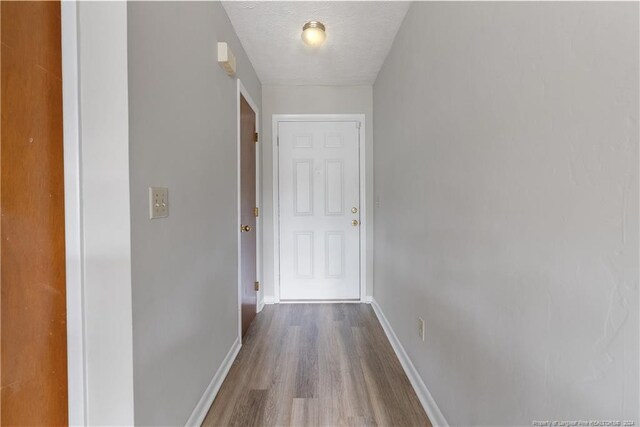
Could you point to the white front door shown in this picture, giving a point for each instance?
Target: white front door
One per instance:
(319, 187)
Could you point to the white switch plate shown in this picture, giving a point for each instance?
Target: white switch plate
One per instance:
(158, 202)
(421, 328)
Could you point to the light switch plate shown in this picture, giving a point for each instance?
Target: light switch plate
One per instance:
(421, 328)
(158, 202)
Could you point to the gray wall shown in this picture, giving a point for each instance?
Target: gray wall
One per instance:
(311, 100)
(183, 133)
(506, 161)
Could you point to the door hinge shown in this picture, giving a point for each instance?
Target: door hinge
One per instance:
(256, 212)
(255, 136)
(257, 286)
(358, 124)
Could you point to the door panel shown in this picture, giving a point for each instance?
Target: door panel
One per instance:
(319, 183)
(32, 249)
(247, 214)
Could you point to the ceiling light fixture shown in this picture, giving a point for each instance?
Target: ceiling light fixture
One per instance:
(313, 33)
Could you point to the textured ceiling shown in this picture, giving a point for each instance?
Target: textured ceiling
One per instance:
(359, 36)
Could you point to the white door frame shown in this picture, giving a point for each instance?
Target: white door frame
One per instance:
(94, 380)
(358, 118)
(74, 254)
(260, 297)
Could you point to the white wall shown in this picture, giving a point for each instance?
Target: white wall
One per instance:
(506, 161)
(183, 113)
(104, 217)
(311, 100)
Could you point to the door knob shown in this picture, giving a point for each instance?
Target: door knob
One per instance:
(245, 228)
(355, 223)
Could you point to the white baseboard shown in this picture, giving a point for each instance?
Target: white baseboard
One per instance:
(201, 409)
(271, 300)
(429, 405)
(321, 301)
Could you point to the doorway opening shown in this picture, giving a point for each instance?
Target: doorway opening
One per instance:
(248, 210)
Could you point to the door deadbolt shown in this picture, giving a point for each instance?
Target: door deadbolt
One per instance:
(245, 228)
(354, 210)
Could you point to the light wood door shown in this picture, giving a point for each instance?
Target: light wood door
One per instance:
(247, 214)
(32, 248)
(319, 193)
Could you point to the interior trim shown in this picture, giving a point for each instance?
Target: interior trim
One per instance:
(202, 408)
(428, 403)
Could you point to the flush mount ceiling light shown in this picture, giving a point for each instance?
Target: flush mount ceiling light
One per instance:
(313, 33)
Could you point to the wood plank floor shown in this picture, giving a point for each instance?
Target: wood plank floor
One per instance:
(316, 365)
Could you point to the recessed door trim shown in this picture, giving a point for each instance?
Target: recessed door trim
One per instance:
(242, 92)
(356, 118)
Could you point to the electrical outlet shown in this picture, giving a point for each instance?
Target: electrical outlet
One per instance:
(421, 328)
(158, 202)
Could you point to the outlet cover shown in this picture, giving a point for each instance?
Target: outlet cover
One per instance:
(158, 202)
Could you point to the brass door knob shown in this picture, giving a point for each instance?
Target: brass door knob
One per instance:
(355, 223)
(245, 228)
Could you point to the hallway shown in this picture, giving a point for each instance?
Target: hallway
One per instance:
(316, 364)
(324, 213)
